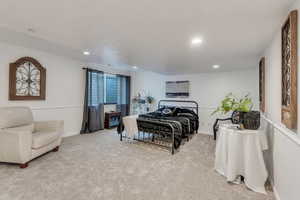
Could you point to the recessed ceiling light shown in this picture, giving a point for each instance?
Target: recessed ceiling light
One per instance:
(196, 41)
(134, 67)
(216, 66)
(86, 53)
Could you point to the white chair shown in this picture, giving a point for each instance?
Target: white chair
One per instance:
(22, 139)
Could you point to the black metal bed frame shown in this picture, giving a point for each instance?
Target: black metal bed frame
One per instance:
(193, 106)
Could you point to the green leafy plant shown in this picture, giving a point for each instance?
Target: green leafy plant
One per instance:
(232, 103)
(150, 99)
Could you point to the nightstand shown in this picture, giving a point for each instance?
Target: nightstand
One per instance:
(112, 119)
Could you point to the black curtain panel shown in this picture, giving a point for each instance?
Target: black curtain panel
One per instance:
(123, 98)
(93, 114)
(123, 101)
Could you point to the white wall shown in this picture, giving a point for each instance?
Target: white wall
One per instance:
(148, 83)
(208, 89)
(283, 156)
(64, 86)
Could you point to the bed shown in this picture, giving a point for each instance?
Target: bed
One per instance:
(173, 122)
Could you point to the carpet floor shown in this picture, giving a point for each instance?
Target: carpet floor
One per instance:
(99, 166)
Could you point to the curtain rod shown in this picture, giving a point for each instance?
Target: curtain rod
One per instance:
(85, 68)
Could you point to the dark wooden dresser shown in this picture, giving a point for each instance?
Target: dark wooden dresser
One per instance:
(112, 119)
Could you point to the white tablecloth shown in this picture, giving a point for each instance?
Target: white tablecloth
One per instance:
(240, 152)
(130, 125)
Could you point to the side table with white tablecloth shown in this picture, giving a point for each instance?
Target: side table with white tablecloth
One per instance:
(240, 153)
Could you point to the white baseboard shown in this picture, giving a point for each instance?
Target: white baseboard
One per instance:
(275, 193)
(69, 134)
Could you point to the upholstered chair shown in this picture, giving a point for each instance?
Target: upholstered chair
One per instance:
(22, 139)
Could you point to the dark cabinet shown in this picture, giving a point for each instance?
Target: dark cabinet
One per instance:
(112, 119)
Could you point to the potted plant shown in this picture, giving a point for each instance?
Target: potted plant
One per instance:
(150, 100)
(241, 111)
(232, 103)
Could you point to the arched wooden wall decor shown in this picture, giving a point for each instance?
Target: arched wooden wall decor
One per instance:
(289, 71)
(262, 84)
(27, 80)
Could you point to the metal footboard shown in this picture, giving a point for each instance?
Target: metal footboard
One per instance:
(162, 134)
(158, 132)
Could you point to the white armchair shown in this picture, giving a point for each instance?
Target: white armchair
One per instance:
(22, 139)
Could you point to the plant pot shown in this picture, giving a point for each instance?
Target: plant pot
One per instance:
(251, 120)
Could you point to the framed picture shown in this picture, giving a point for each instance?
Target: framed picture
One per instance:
(27, 80)
(177, 89)
(262, 84)
(289, 65)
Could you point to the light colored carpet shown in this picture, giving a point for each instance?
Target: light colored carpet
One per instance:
(99, 166)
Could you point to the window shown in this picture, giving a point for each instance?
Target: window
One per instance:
(111, 89)
(107, 89)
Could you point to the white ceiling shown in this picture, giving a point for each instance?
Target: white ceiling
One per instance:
(153, 35)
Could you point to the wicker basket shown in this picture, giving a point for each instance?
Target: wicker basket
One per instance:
(252, 120)
(237, 117)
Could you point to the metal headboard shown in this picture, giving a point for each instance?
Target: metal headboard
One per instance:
(192, 105)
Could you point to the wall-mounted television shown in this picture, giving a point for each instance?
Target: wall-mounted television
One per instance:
(177, 89)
